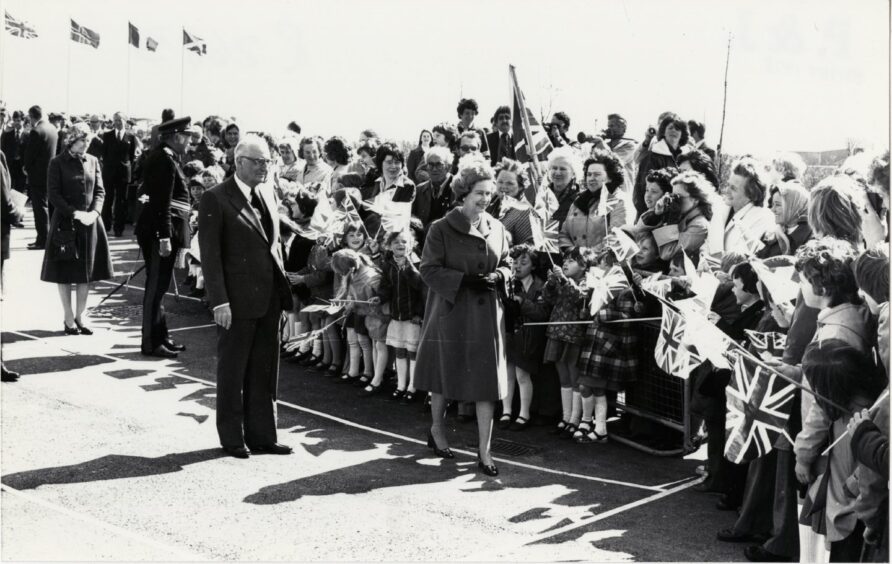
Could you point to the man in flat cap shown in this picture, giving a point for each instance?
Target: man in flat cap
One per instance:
(118, 156)
(162, 230)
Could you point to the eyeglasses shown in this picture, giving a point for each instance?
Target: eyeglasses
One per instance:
(259, 162)
(436, 165)
(468, 148)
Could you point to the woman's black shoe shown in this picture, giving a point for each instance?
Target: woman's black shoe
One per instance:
(83, 329)
(71, 330)
(370, 390)
(488, 469)
(520, 424)
(504, 421)
(442, 453)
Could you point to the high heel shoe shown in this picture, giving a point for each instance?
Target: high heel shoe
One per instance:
(442, 453)
(488, 469)
(83, 329)
(71, 330)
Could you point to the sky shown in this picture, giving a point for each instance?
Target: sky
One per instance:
(803, 75)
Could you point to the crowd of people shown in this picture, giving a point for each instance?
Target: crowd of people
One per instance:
(451, 269)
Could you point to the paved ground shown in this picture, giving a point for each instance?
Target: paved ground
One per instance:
(108, 455)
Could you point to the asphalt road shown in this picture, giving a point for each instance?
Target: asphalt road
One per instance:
(109, 455)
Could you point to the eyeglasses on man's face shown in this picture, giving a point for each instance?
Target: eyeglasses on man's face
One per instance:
(259, 162)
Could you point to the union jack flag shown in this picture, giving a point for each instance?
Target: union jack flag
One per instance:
(605, 285)
(528, 132)
(546, 239)
(622, 245)
(771, 342)
(85, 35)
(671, 354)
(758, 404)
(19, 28)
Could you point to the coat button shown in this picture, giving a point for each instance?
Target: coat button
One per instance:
(481, 301)
(481, 246)
(585, 236)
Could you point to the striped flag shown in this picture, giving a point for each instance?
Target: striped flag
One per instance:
(758, 406)
(85, 35)
(151, 44)
(133, 35)
(531, 142)
(19, 28)
(194, 43)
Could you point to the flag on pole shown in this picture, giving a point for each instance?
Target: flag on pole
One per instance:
(670, 353)
(151, 44)
(19, 28)
(194, 43)
(531, 142)
(623, 246)
(758, 406)
(85, 35)
(771, 342)
(133, 34)
(605, 285)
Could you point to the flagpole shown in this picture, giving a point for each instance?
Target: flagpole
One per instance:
(68, 74)
(527, 130)
(724, 105)
(182, 72)
(127, 104)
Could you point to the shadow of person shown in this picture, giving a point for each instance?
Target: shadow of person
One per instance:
(110, 467)
(61, 363)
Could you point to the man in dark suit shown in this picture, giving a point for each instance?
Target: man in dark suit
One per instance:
(161, 231)
(500, 141)
(12, 143)
(40, 150)
(698, 134)
(95, 147)
(118, 156)
(241, 258)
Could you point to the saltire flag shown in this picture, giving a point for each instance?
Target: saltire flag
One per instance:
(151, 44)
(194, 43)
(133, 33)
(758, 405)
(19, 28)
(623, 246)
(531, 142)
(771, 342)
(605, 285)
(671, 354)
(85, 35)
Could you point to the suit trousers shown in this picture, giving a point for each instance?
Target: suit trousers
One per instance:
(247, 379)
(159, 271)
(42, 211)
(785, 520)
(114, 208)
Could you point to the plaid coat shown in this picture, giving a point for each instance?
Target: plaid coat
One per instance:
(609, 359)
(569, 300)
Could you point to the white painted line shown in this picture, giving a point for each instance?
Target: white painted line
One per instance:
(404, 437)
(664, 486)
(190, 328)
(174, 550)
(132, 287)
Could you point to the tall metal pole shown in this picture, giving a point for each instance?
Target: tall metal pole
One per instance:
(127, 104)
(724, 105)
(182, 73)
(68, 73)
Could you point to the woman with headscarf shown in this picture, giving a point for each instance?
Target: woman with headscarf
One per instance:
(789, 202)
(77, 248)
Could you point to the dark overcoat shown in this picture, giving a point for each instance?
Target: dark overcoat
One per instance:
(461, 354)
(76, 185)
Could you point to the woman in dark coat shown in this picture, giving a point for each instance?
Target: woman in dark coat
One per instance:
(74, 188)
(461, 354)
(789, 202)
(672, 139)
(416, 155)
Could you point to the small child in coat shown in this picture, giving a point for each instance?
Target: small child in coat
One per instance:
(566, 290)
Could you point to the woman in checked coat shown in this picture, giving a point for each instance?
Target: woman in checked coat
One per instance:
(461, 354)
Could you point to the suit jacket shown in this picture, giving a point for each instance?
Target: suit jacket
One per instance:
(118, 157)
(13, 148)
(96, 147)
(40, 150)
(493, 140)
(241, 265)
(166, 214)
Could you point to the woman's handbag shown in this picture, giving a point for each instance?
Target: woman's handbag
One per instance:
(63, 243)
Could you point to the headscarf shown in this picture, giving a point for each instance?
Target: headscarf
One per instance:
(795, 199)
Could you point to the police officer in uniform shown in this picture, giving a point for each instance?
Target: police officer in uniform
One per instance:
(162, 230)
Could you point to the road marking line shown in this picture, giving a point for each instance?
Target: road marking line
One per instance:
(132, 287)
(190, 328)
(403, 437)
(179, 552)
(666, 485)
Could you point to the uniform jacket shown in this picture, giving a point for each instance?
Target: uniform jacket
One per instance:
(118, 157)
(461, 353)
(166, 214)
(40, 149)
(241, 265)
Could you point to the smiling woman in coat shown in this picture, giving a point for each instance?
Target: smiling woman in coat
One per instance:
(461, 354)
